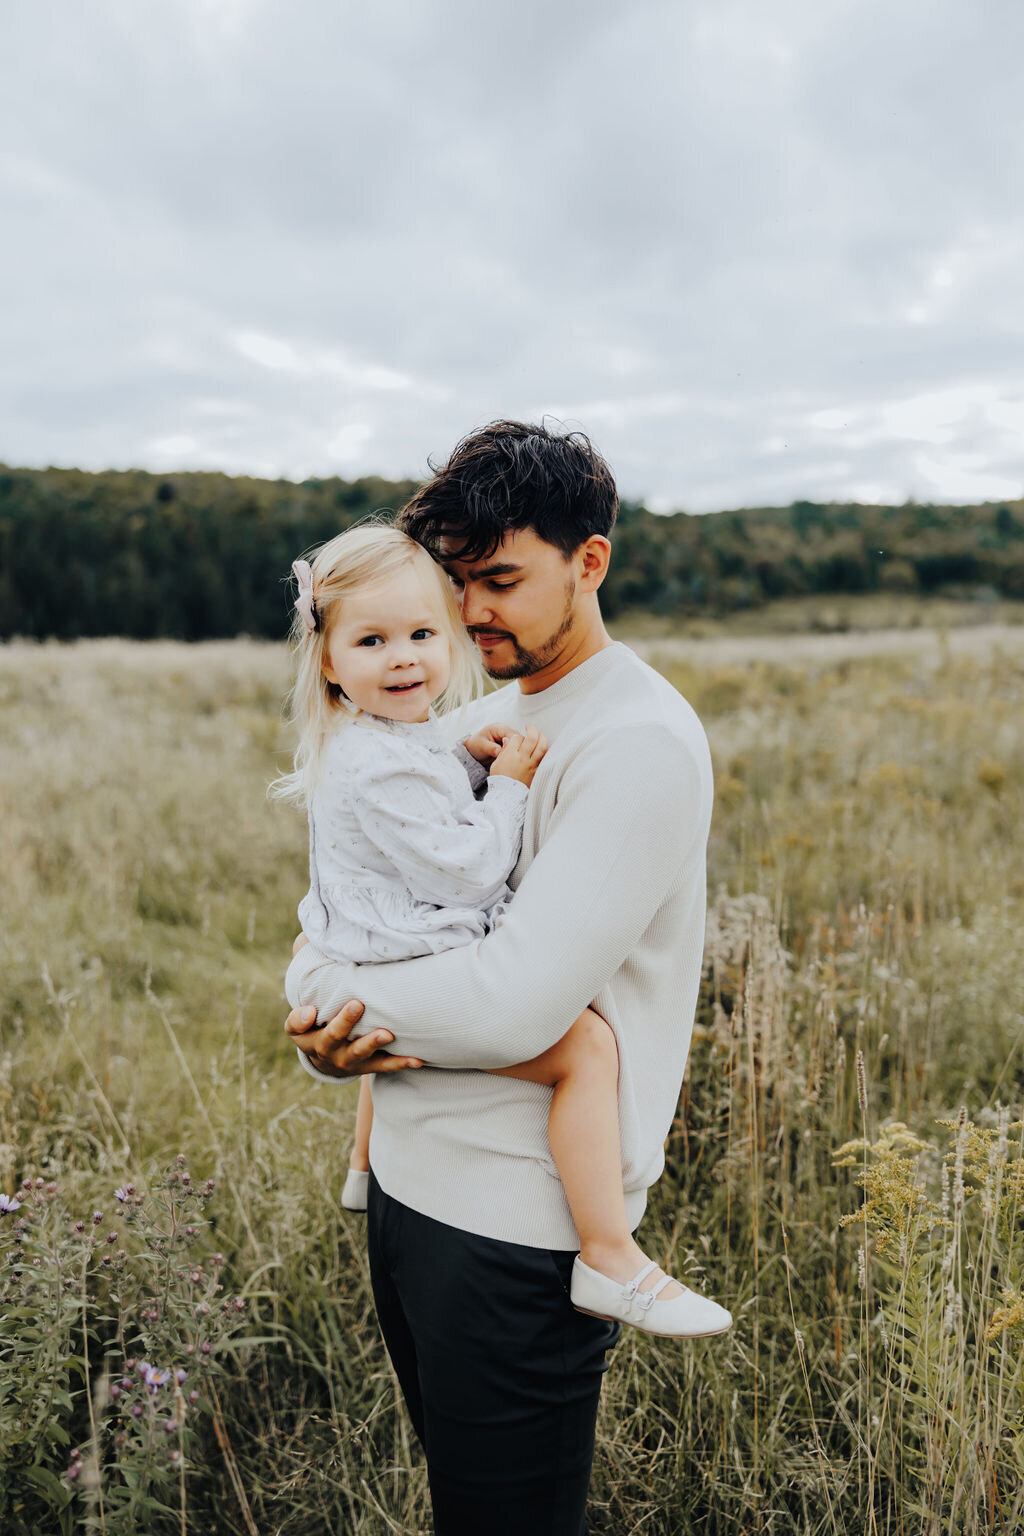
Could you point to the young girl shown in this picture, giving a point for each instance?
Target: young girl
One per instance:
(405, 860)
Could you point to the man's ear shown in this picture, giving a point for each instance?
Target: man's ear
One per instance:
(594, 556)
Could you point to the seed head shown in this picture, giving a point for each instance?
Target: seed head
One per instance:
(862, 1086)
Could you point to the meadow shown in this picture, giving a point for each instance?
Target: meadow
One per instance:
(846, 1170)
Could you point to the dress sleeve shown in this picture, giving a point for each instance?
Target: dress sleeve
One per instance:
(476, 772)
(452, 852)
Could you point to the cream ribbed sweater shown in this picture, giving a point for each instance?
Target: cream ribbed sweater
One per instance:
(609, 910)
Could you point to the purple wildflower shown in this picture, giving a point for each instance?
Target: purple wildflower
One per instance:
(122, 1195)
(8, 1204)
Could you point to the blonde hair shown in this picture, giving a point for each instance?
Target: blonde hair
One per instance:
(363, 556)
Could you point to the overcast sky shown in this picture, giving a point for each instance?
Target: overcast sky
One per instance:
(757, 250)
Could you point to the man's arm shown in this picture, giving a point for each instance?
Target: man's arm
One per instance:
(632, 820)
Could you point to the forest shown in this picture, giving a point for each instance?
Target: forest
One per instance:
(197, 556)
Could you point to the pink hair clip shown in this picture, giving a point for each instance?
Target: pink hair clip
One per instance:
(304, 602)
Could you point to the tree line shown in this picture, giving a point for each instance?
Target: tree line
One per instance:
(199, 556)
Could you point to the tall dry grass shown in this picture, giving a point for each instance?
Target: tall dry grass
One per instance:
(863, 983)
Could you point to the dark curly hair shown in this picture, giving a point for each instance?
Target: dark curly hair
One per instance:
(511, 475)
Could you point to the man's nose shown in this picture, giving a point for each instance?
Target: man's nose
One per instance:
(474, 607)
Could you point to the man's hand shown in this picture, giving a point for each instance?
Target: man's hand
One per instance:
(330, 1050)
(486, 744)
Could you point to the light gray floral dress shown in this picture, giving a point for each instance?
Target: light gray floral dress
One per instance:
(404, 860)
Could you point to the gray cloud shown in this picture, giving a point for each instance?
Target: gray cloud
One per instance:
(759, 252)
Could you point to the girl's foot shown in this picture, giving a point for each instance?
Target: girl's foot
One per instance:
(353, 1196)
(648, 1299)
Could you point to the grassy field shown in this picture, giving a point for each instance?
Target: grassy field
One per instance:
(858, 1054)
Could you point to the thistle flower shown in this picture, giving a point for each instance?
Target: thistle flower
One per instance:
(122, 1195)
(8, 1204)
(153, 1378)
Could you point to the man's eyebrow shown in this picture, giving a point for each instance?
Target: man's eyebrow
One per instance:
(485, 571)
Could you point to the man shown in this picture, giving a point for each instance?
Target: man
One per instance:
(470, 1238)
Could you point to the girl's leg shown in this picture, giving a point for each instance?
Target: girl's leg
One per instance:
(583, 1129)
(360, 1157)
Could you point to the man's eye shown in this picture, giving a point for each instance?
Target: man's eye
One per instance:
(422, 634)
(455, 582)
(369, 640)
(503, 586)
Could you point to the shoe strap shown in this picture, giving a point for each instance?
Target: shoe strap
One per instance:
(633, 1287)
(645, 1299)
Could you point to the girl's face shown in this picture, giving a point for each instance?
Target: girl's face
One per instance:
(388, 648)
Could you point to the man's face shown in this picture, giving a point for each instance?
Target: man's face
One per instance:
(517, 603)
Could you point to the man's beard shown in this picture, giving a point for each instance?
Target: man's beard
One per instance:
(526, 663)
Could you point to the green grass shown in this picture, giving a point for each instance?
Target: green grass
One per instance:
(867, 835)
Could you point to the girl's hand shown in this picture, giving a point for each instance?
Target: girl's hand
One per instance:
(520, 757)
(486, 744)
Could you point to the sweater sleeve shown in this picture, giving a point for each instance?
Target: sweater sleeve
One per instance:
(451, 854)
(630, 823)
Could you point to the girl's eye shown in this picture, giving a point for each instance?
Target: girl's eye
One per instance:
(422, 634)
(369, 640)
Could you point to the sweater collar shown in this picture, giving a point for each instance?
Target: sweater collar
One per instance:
(584, 676)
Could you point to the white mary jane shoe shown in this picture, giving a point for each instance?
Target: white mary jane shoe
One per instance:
(353, 1196)
(688, 1316)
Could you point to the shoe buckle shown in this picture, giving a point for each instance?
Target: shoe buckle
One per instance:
(644, 1300)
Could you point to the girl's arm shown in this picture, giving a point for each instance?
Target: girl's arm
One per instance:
(452, 853)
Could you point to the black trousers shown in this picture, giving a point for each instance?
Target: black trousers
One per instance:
(500, 1373)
